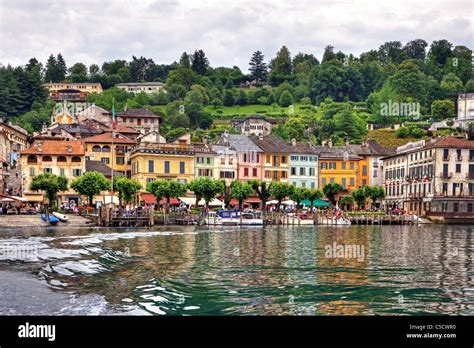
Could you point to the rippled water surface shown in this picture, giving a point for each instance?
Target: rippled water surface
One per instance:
(397, 270)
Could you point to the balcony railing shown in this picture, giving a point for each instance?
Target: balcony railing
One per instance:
(445, 175)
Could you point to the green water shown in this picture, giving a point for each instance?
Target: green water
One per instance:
(397, 270)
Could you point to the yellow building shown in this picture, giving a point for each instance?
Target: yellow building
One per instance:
(99, 148)
(338, 164)
(154, 158)
(60, 157)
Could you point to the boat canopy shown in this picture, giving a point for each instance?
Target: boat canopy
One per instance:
(316, 203)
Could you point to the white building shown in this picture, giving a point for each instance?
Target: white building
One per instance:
(137, 87)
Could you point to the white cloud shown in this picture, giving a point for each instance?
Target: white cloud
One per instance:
(93, 31)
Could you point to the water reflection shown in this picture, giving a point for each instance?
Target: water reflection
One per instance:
(356, 270)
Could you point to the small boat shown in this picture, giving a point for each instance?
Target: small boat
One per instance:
(52, 220)
(232, 218)
(335, 221)
(61, 217)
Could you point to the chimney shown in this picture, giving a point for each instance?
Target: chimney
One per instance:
(293, 142)
(260, 136)
(329, 142)
(69, 149)
(39, 145)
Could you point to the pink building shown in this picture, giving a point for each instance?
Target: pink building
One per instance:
(249, 156)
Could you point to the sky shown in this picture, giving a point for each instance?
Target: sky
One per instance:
(94, 31)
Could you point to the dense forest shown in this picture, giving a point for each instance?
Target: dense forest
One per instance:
(335, 97)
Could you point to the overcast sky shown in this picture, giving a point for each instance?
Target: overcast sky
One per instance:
(94, 31)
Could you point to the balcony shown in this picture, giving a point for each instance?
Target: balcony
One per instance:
(445, 175)
(470, 175)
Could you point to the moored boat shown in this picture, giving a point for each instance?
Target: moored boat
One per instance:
(232, 218)
(61, 217)
(52, 220)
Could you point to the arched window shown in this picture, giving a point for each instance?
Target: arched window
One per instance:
(106, 148)
(61, 159)
(32, 159)
(47, 159)
(76, 159)
(96, 148)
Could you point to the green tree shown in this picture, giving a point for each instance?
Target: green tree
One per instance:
(374, 193)
(258, 68)
(442, 109)
(331, 190)
(359, 197)
(240, 191)
(200, 63)
(262, 188)
(166, 189)
(51, 184)
(469, 87)
(312, 195)
(126, 188)
(299, 194)
(286, 99)
(281, 190)
(90, 184)
(451, 85)
(346, 200)
(206, 188)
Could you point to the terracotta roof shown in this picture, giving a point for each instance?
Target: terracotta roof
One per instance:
(120, 128)
(138, 113)
(55, 147)
(107, 138)
(98, 166)
(372, 148)
(451, 142)
(273, 144)
(335, 152)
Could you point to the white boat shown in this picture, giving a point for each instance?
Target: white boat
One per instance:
(334, 222)
(61, 217)
(303, 220)
(232, 218)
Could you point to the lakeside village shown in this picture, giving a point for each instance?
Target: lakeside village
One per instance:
(116, 169)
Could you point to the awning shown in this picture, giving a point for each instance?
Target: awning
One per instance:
(288, 202)
(273, 201)
(188, 200)
(148, 198)
(214, 203)
(316, 203)
(233, 201)
(33, 197)
(253, 200)
(173, 201)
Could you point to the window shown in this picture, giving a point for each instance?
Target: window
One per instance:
(469, 207)
(351, 181)
(456, 207)
(364, 182)
(96, 148)
(343, 165)
(375, 173)
(293, 171)
(351, 165)
(167, 167)
(62, 172)
(311, 172)
(254, 171)
(76, 159)
(302, 171)
(199, 160)
(120, 160)
(105, 160)
(331, 180)
(323, 181)
(344, 183)
(445, 154)
(47, 159)
(32, 171)
(151, 166)
(223, 160)
(275, 175)
(148, 180)
(268, 159)
(283, 159)
(32, 159)
(332, 165)
(283, 175)
(246, 172)
(267, 174)
(76, 172)
(61, 159)
(324, 165)
(106, 148)
(231, 160)
(458, 167)
(182, 168)
(208, 160)
(364, 170)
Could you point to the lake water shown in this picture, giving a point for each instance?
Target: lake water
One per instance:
(170, 270)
